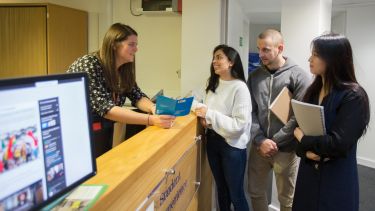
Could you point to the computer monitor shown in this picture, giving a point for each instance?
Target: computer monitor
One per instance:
(45, 139)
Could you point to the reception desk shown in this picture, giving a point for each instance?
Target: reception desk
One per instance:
(157, 169)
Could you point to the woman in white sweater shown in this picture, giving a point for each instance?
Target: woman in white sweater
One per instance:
(226, 113)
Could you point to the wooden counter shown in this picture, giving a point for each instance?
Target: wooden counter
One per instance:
(133, 169)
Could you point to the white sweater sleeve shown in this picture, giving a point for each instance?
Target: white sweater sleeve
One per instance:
(232, 127)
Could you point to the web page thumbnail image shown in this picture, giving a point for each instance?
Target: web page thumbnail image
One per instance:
(23, 199)
(18, 147)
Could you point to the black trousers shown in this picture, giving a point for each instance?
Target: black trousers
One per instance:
(102, 135)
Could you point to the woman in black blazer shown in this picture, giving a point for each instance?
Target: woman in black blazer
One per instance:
(327, 177)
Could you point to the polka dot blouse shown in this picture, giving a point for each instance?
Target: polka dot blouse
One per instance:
(101, 97)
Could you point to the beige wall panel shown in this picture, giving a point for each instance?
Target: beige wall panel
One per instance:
(22, 41)
(67, 37)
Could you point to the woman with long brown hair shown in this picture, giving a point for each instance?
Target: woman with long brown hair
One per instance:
(111, 72)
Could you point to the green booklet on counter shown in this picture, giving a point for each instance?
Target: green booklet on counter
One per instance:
(81, 198)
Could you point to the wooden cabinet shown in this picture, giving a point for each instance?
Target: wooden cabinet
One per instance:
(39, 39)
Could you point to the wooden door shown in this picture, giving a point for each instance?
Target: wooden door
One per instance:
(23, 41)
(67, 37)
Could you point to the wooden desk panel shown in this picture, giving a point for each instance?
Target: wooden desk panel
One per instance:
(136, 166)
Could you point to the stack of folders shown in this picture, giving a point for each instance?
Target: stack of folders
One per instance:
(310, 118)
(281, 105)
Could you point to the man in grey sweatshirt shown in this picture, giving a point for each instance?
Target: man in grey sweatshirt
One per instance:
(273, 142)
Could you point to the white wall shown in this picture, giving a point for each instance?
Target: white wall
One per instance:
(238, 28)
(159, 47)
(201, 27)
(301, 22)
(360, 30)
(339, 23)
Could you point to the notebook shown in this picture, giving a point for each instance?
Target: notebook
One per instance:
(281, 105)
(310, 118)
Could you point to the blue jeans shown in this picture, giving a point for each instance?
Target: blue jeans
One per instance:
(228, 167)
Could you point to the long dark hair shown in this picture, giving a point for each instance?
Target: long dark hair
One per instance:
(236, 70)
(123, 80)
(335, 50)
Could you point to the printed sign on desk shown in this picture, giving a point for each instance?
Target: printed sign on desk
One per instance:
(177, 188)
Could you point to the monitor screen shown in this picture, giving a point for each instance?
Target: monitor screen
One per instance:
(45, 139)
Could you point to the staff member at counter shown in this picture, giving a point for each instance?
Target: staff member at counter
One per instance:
(111, 72)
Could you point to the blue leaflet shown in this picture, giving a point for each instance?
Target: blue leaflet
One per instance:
(169, 106)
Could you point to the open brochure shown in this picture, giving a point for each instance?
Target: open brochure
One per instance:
(310, 118)
(281, 105)
(175, 107)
